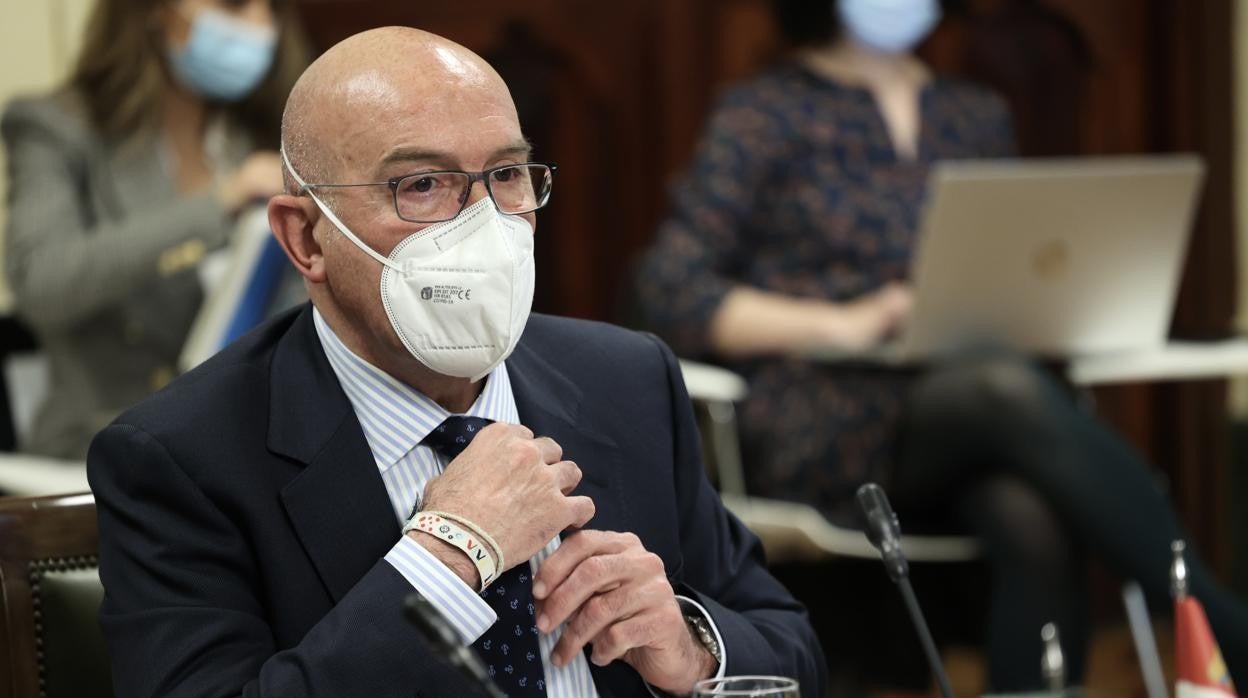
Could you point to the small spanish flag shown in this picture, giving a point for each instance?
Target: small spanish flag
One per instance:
(1199, 669)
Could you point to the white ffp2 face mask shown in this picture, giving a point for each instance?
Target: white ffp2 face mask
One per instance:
(458, 294)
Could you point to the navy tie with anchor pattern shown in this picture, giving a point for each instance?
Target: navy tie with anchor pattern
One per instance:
(509, 647)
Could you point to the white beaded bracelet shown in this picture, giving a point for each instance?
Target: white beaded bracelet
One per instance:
(462, 535)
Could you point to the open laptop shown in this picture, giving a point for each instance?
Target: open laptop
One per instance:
(1053, 257)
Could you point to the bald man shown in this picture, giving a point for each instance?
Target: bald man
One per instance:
(537, 479)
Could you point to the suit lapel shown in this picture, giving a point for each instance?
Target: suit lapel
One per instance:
(337, 505)
(549, 404)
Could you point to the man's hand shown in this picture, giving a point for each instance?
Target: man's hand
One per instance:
(615, 595)
(513, 486)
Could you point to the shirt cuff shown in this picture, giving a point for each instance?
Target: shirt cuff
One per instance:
(462, 607)
(686, 605)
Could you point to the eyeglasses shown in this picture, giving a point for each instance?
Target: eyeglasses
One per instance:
(433, 197)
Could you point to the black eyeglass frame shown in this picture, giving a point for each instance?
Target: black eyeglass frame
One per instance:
(473, 177)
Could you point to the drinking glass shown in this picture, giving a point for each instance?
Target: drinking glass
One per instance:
(752, 686)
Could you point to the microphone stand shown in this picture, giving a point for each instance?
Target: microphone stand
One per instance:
(446, 644)
(925, 636)
(884, 532)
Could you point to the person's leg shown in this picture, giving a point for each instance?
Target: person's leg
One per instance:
(1038, 577)
(1004, 416)
(1037, 569)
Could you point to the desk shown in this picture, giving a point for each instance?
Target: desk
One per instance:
(1174, 361)
(27, 475)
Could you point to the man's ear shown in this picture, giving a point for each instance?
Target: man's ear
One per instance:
(292, 219)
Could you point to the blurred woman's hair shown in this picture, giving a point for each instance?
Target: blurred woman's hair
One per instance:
(120, 71)
(806, 22)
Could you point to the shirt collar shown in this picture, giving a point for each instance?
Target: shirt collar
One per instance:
(394, 416)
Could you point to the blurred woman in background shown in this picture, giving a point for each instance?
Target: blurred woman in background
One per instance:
(122, 180)
(793, 231)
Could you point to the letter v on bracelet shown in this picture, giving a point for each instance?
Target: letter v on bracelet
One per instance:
(464, 535)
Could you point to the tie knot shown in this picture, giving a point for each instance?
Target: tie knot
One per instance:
(452, 436)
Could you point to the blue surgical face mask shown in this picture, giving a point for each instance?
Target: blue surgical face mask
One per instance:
(891, 26)
(224, 58)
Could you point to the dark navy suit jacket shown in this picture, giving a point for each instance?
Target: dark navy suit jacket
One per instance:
(243, 520)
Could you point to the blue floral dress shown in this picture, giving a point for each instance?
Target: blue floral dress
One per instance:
(796, 189)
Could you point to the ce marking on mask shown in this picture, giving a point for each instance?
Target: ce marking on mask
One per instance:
(447, 294)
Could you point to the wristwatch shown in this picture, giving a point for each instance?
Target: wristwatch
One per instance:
(701, 629)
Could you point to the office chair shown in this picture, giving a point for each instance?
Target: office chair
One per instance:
(50, 640)
(790, 531)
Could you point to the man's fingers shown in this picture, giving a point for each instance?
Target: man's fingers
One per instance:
(574, 549)
(568, 475)
(550, 450)
(601, 611)
(594, 575)
(583, 509)
(616, 639)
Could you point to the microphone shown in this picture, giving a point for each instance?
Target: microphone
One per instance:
(445, 642)
(884, 532)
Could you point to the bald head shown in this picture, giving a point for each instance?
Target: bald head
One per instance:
(388, 105)
(384, 90)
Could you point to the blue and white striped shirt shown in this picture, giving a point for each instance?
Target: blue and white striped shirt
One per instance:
(395, 419)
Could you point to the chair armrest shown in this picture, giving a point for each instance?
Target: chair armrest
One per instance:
(709, 383)
(792, 531)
